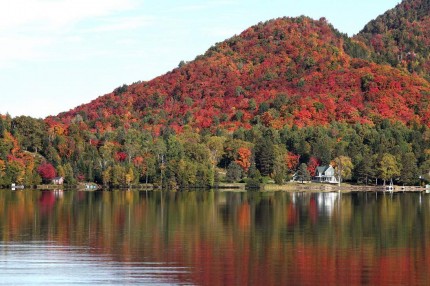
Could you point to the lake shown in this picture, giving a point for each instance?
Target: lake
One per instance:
(214, 238)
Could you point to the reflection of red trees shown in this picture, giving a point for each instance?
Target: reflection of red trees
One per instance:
(291, 215)
(46, 202)
(244, 216)
(313, 210)
(126, 229)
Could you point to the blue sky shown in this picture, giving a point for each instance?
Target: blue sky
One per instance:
(58, 54)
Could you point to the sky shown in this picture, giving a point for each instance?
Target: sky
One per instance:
(58, 54)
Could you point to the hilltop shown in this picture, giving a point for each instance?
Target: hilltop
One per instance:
(287, 71)
(401, 37)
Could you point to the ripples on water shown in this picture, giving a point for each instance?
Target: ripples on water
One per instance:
(213, 238)
(44, 263)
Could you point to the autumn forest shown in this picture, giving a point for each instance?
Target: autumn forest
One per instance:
(281, 98)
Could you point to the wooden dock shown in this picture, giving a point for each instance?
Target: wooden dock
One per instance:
(231, 186)
(50, 187)
(343, 188)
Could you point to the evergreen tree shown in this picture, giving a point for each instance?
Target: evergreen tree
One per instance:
(234, 172)
(265, 156)
(409, 174)
(303, 173)
(365, 170)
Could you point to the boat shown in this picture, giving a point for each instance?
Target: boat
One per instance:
(17, 187)
(389, 188)
(88, 186)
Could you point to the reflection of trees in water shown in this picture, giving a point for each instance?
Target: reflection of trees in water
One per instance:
(236, 238)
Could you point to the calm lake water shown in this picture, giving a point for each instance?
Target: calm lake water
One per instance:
(214, 238)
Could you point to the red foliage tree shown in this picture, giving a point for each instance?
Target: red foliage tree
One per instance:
(244, 158)
(292, 161)
(47, 172)
(313, 164)
(121, 156)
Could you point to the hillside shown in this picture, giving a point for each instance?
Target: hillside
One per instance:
(401, 37)
(288, 71)
(279, 99)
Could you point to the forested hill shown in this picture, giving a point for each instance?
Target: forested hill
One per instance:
(401, 37)
(287, 71)
(279, 99)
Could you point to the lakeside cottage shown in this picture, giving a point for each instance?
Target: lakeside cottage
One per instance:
(58, 181)
(325, 174)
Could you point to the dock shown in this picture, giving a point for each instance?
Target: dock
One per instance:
(343, 188)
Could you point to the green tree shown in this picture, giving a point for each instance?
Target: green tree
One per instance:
(343, 168)
(280, 167)
(69, 174)
(234, 172)
(265, 156)
(107, 152)
(129, 176)
(51, 155)
(29, 132)
(388, 167)
(5, 147)
(216, 151)
(409, 174)
(15, 171)
(424, 171)
(322, 146)
(107, 176)
(132, 144)
(118, 175)
(186, 173)
(303, 173)
(365, 169)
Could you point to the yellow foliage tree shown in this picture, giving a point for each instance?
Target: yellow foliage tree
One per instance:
(343, 167)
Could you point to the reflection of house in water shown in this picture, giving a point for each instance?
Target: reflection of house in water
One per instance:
(315, 204)
(326, 202)
(300, 199)
(58, 193)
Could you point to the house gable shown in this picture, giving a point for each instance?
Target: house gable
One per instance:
(325, 174)
(58, 181)
(329, 171)
(321, 170)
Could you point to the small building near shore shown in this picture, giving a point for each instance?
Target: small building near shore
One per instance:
(325, 174)
(58, 181)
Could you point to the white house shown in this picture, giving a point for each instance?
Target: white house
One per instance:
(325, 174)
(58, 181)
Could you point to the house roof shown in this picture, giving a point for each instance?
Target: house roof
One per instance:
(322, 169)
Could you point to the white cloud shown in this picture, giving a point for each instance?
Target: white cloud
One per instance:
(56, 14)
(34, 29)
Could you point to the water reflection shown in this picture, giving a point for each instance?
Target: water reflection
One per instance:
(213, 238)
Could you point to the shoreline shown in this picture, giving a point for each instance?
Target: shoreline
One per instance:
(343, 188)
